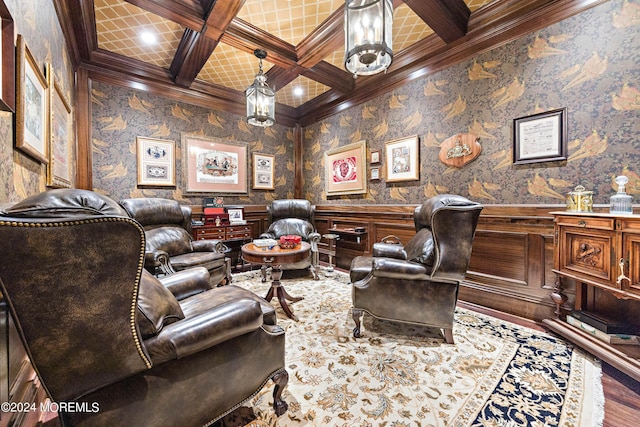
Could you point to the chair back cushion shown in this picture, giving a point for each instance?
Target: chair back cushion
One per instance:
(284, 227)
(158, 211)
(291, 208)
(157, 306)
(421, 248)
(65, 202)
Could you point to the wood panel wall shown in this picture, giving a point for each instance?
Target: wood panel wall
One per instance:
(512, 260)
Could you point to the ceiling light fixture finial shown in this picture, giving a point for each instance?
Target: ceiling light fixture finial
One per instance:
(261, 99)
(368, 32)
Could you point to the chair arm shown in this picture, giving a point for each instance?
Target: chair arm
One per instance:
(398, 269)
(208, 245)
(314, 238)
(158, 259)
(389, 250)
(267, 235)
(211, 327)
(186, 283)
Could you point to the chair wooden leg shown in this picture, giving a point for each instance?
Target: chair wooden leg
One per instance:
(281, 378)
(356, 314)
(448, 335)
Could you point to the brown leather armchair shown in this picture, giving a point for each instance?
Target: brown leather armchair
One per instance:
(170, 246)
(418, 282)
(105, 335)
(297, 217)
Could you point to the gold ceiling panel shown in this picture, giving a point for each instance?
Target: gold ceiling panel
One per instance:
(119, 26)
(288, 20)
(232, 68)
(309, 90)
(476, 4)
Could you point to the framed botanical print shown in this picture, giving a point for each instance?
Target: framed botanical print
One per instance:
(61, 131)
(345, 169)
(214, 165)
(403, 159)
(263, 172)
(32, 105)
(156, 162)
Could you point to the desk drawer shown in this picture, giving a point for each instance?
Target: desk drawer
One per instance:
(210, 233)
(587, 222)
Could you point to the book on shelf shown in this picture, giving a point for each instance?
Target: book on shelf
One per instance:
(625, 339)
(602, 323)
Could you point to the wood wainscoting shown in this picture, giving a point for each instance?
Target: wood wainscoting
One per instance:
(512, 260)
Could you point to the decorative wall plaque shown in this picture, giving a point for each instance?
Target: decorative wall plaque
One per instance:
(460, 149)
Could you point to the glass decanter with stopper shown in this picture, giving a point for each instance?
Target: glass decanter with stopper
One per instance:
(621, 201)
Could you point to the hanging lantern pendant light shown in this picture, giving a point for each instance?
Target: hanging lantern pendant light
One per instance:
(368, 35)
(261, 99)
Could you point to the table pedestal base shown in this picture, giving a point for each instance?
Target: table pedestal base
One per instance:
(278, 290)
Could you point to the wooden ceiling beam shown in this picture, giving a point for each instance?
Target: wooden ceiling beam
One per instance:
(196, 47)
(244, 36)
(278, 77)
(447, 18)
(322, 41)
(332, 76)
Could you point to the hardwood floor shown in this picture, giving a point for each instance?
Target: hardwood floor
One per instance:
(621, 392)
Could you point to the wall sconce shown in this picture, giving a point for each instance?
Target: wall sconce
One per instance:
(261, 99)
(368, 31)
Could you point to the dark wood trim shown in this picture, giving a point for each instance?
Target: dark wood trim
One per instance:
(84, 158)
(193, 52)
(188, 13)
(298, 152)
(323, 40)
(447, 18)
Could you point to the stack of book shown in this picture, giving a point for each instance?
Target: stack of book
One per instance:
(602, 328)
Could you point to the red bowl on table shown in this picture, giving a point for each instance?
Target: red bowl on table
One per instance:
(289, 241)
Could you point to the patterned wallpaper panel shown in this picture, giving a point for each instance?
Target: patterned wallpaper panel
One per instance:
(36, 21)
(588, 64)
(120, 115)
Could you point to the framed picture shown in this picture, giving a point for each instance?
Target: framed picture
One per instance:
(61, 131)
(7, 61)
(403, 159)
(375, 156)
(263, 172)
(156, 161)
(375, 174)
(235, 214)
(540, 137)
(214, 165)
(32, 105)
(345, 169)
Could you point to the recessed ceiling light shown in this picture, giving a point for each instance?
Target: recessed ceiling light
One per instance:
(298, 91)
(148, 37)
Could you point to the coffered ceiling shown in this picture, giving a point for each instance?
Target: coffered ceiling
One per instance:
(202, 50)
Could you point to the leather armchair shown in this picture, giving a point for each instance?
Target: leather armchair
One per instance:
(294, 216)
(102, 332)
(170, 246)
(418, 282)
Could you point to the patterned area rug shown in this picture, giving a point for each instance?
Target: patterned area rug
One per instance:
(496, 373)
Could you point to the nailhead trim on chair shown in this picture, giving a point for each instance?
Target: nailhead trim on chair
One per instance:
(132, 320)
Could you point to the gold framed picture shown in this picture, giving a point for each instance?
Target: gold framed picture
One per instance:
(214, 165)
(345, 169)
(32, 105)
(263, 172)
(61, 131)
(403, 159)
(156, 162)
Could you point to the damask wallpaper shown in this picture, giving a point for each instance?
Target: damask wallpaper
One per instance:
(587, 64)
(36, 21)
(120, 115)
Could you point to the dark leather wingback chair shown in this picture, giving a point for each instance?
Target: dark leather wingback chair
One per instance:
(418, 282)
(297, 217)
(103, 333)
(170, 246)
